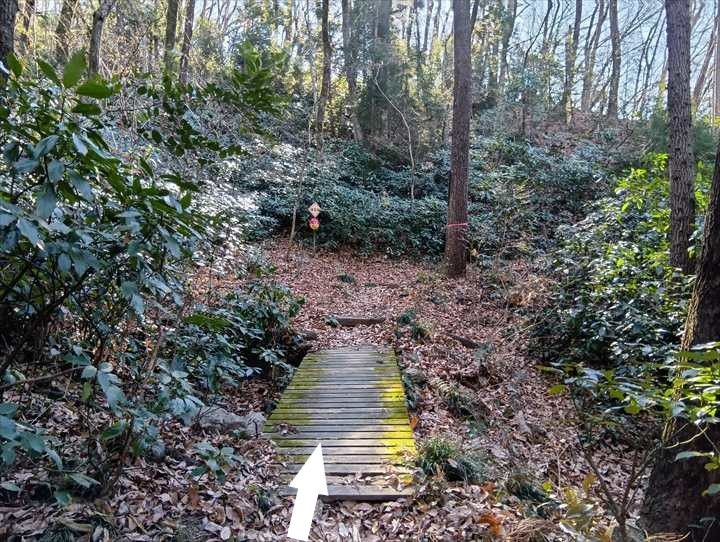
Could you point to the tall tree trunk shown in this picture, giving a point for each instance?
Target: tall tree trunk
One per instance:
(96, 35)
(8, 12)
(436, 23)
(63, 30)
(27, 15)
(570, 58)
(716, 96)
(350, 68)
(612, 110)
(700, 83)
(508, 26)
(428, 17)
(326, 72)
(187, 41)
(455, 247)
(382, 35)
(681, 164)
(590, 54)
(674, 499)
(170, 33)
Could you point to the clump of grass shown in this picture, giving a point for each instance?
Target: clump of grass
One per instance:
(524, 488)
(459, 400)
(439, 456)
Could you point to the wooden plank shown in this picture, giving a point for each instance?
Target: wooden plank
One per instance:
(329, 449)
(329, 397)
(328, 436)
(385, 459)
(352, 321)
(398, 443)
(295, 404)
(353, 402)
(341, 427)
(320, 385)
(357, 493)
(353, 468)
(379, 411)
(340, 421)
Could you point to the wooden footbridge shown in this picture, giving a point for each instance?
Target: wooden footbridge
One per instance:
(352, 402)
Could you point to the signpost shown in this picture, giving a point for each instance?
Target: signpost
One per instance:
(314, 222)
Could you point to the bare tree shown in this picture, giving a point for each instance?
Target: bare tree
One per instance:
(508, 27)
(680, 156)
(349, 52)
(612, 109)
(324, 9)
(570, 58)
(63, 30)
(8, 12)
(27, 14)
(170, 33)
(96, 34)
(591, 47)
(716, 97)
(700, 82)
(455, 249)
(187, 41)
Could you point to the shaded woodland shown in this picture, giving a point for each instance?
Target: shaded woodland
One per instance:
(519, 198)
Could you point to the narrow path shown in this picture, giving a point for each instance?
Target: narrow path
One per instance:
(352, 402)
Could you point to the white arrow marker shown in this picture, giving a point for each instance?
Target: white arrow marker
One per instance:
(309, 482)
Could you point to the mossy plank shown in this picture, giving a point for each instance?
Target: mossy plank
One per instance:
(353, 402)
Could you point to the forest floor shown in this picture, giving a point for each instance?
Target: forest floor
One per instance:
(523, 434)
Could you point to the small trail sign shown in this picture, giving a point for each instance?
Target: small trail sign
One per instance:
(314, 209)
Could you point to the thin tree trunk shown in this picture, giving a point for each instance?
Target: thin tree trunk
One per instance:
(716, 100)
(350, 69)
(187, 41)
(96, 35)
(590, 54)
(570, 58)
(436, 24)
(674, 501)
(428, 17)
(63, 30)
(681, 164)
(699, 89)
(508, 26)
(8, 12)
(612, 110)
(170, 33)
(27, 15)
(455, 246)
(382, 34)
(326, 73)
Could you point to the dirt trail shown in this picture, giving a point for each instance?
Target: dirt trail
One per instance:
(517, 426)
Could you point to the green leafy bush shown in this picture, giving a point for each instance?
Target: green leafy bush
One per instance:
(618, 302)
(248, 331)
(516, 191)
(94, 248)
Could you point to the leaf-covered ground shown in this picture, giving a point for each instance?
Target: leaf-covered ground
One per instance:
(486, 395)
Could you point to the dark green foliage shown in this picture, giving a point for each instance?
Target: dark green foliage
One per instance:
(247, 332)
(94, 248)
(618, 301)
(517, 191)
